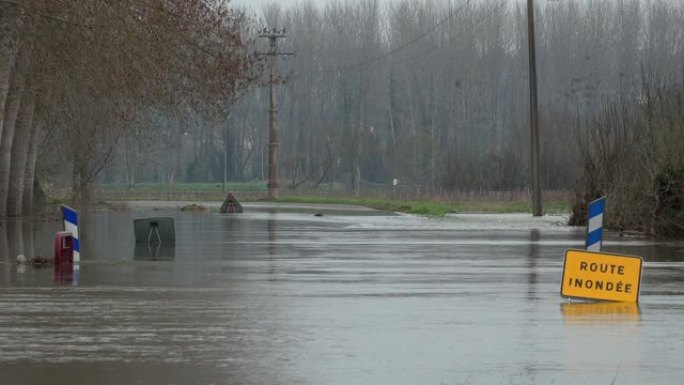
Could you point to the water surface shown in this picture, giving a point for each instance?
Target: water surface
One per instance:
(280, 296)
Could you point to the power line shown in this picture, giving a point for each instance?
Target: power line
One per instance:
(432, 49)
(402, 47)
(408, 43)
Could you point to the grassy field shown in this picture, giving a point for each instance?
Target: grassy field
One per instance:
(434, 207)
(182, 187)
(256, 191)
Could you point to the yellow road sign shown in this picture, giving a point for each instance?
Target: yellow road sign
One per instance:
(601, 276)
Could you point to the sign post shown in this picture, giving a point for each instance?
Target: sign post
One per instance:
(595, 224)
(70, 217)
(601, 276)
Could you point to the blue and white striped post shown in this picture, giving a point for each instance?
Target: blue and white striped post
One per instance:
(595, 224)
(70, 217)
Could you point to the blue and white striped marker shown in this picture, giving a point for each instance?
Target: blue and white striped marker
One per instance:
(595, 224)
(71, 225)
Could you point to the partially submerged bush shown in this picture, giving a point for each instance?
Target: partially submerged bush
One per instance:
(632, 154)
(195, 208)
(669, 208)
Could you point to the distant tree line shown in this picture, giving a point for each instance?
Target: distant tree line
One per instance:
(432, 93)
(435, 93)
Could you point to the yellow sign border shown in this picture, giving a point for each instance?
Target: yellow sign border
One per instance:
(565, 260)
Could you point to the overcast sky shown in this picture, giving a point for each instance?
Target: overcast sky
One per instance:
(258, 4)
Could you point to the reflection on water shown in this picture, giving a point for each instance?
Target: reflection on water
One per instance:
(154, 251)
(609, 339)
(600, 312)
(533, 257)
(271, 230)
(67, 274)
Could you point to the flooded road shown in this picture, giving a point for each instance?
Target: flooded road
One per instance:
(280, 296)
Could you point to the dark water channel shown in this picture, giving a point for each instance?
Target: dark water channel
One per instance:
(280, 296)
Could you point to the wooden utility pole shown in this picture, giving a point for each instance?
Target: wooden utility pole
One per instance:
(273, 35)
(225, 157)
(537, 209)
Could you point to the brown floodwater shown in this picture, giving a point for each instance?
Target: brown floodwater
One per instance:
(280, 296)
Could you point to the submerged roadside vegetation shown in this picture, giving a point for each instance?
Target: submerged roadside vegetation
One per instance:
(388, 200)
(633, 155)
(435, 208)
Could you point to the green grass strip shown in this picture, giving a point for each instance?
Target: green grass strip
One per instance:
(434, 208)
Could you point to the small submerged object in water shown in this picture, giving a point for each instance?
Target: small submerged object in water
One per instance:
(39, 261)
(195, 208)
(36, 261)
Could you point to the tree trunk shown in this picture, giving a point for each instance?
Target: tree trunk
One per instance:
(85, 189)
(4, 244)
(130, 170)
(82, 183)
(30, 176)
(20, 150)
(7, 60)
(10, 117)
